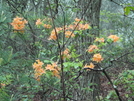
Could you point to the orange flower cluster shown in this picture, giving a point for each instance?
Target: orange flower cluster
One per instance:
(114, 37)
(91, 48)
(67, 29)
(47, 26)
(38, 22)
(69, 34)
(77, 20)
(37, 66)
(82, 26)
(99, 40)
(54, 33)
(97, 57)
(38, 69)
(65, 53)
(19, 23)
(54, 68)
(79, 26)
(90, 66)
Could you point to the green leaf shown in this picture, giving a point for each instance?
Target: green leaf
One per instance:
(75, 9)
(1, 59)
(47, 61)
(128, 9)
(10, 55)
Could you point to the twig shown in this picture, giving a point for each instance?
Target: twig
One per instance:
(114, 87)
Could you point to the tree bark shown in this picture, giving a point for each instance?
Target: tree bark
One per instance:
(89, 82)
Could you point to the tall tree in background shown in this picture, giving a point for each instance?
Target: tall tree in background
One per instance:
(89, 11)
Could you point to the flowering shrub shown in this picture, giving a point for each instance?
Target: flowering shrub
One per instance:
(67, 56)
(19, 24)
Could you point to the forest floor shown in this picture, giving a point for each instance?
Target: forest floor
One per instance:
(106, 87)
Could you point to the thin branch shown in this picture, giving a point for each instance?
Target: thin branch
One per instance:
(61, 59)
(116, 59)
(114, 87)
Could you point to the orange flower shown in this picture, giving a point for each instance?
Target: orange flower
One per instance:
(97, 57)
(100, 39)
(79, 26)
(65, 53)
(52, 37)
(114, 37)
(69, 34)
(82, 26)
(37, 76)
(19, 23)
(77, 20)
(91, 48)
(47, 26)
(38, 64)
(38, 22)
(50, 67)
(71, 27)
(58, 29)
(56, 73)
(38, 69)
(89, 66)
(54, 64)
(54, 33)
(39, 73)
(85, 26)
(54, 68)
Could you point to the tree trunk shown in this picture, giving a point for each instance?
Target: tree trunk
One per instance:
(90, 11)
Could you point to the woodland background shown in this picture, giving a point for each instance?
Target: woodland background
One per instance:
(21, 51)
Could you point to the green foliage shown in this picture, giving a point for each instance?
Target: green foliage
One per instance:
(126, 79)
(125, 83)
(128, 9)
(6, 56)
(18, 51)
(3, 95)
